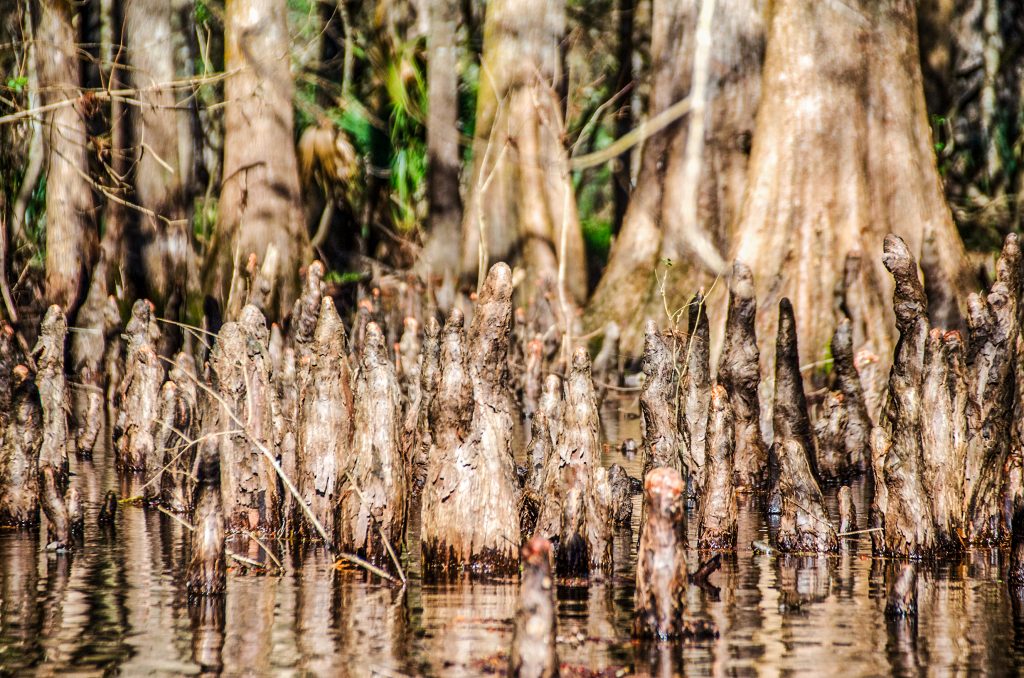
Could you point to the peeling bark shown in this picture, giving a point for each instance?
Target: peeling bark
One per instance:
(53, 395)
(717, 517)
(138, 426)
(469, 510)
(324, 425)
(240, 365)
(533, 640)
(19, 454)
(663, 440)
(207, 568)
(371, 509)
(739, 372)
(697, 391)
(661, 579)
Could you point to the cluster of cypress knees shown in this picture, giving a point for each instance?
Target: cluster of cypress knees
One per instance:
(309, 435)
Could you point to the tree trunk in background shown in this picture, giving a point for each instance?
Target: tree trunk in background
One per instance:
(842, 155)
(733, 94)
(521, 195)
(70, 226)
(443, 161)
(259, 202)
(161, 239)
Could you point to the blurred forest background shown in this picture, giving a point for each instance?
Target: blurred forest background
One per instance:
(619, 153)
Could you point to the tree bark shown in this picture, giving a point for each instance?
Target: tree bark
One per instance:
(70, 221)
(53, 395)
(734, 92)
(165, 265)
(138, 424)
(259, 201)
(659, 405)
(520, 192)
(841, 156)
(444, 163)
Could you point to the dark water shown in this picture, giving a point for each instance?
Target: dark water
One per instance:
(117, 604)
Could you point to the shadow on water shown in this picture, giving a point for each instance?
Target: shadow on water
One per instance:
(118, 604)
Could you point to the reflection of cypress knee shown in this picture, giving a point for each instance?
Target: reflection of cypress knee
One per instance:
(108, 509)
(717, 515)
(740, 373)
(54, 507)
(533, 641)
(847, 511)
(902, 600)
(207, 570)
(661, 578)
(76, 512)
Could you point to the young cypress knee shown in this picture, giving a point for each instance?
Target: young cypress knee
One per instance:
(740, 373)
(207, 568)
(718, 513)
(697, 392)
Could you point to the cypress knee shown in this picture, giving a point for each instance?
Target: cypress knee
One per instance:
(663, 440)
(179, 451)
(718, 512)
(240, 365)
(373, 490)
(52, 501)
(697, 392)
(138, 419)
(661, 577)
(324, 426)
(49, 352)
(740, 373)
(19, 454)
(533, 640)
(847, 511)
(470, 515)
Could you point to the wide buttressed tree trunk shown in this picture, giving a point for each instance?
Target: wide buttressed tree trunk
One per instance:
(70, 228)
(521, 195)
(259, 208)
(733, 92)
(163, 245)
(842, 155)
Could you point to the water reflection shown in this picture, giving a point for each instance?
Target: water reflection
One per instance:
(117, 604)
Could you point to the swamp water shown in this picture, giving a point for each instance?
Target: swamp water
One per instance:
(118, 605)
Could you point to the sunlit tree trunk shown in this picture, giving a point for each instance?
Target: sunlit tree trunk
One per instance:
(443, 162)
(161, 240)
(841, 156)
(259, 203)
(70, 222)
(733, 92)
(520, 194)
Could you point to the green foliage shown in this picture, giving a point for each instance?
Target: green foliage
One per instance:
(201, 13)
(343, 278)
(18, 84)
(204, 219)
